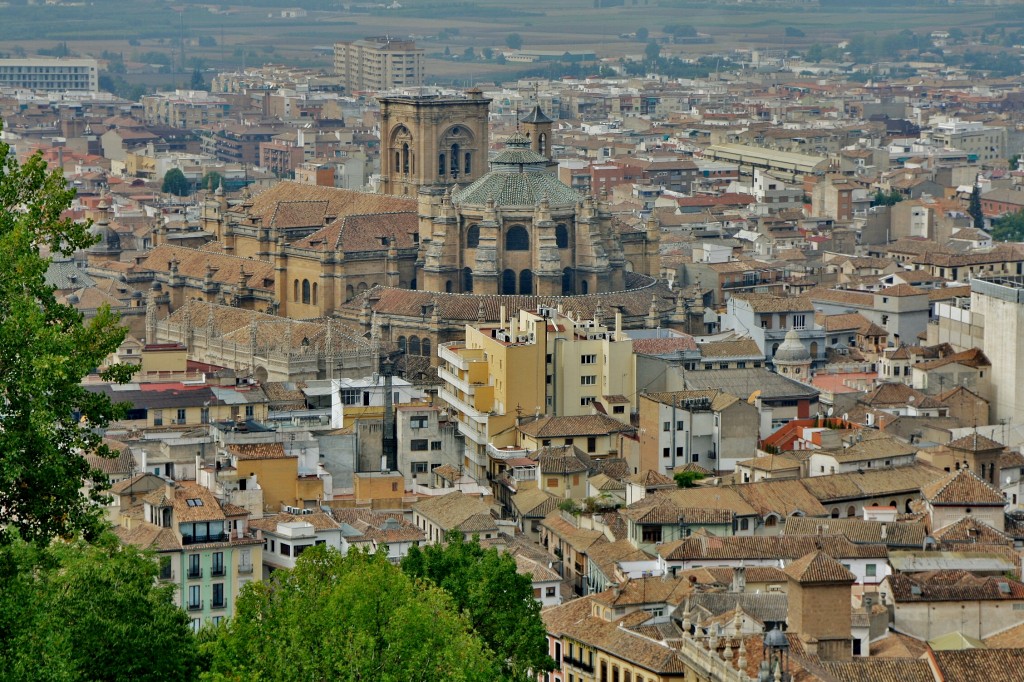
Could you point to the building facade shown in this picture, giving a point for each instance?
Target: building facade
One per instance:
(379, 63)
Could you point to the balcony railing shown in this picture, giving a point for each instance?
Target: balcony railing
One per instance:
(195, 573)
(195, 606)
(217, 571)
(245, 568)
(203, 539)
(218, 604)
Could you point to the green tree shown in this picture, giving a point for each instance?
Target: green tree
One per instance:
(498, 601)
(74, 611)
(47, 417)
(793, 32)
(1009, 228)
(687, 479)
(652, 51)
(974, 208)
(176, 183)
(642, 33)
(514, 41)
(356, 617)
(197, 82)
(211, 180)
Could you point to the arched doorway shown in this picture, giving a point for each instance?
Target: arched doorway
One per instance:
(467, 280)
(508, 282)
(567, 282)
(526, 283)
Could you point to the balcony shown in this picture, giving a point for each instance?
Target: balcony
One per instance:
(195, 573)
(245, 568)
(462, 406)
(197, 606)
(217, 571)
(578, 664)
(203, 539)
(218, 604)
(506, 453)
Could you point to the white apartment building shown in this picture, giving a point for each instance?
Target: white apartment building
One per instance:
(50, 75)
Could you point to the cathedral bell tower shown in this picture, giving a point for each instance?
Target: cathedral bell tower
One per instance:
(432, 140)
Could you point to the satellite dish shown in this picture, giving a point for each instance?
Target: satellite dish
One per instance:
(830, 411)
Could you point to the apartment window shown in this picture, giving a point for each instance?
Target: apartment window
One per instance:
(217, 566)
(158, 417)
(418, 444)
(250, 411)
(218, 595)
(588, 380)
(587, 400)
(666, 452)
(618, 409)
(165, 568)
(181, 416)
(547, 358)
(286, 549)
(651, 534)
(351, 396)
(666, 426)
(588, 359)
(744, 524)
(680, 425)
(872, 570)
(799, 321)
(419, 467)
(418, 422)
(204, 415)
(549, 592)
(196, 625)
(546, 442)
(193, 566)
(591, 444)
(552, 482)
(679, 451)
(194, 598)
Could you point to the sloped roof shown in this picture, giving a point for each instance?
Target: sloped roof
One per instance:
(860, 531)
(975, 442)
(817, 568)
(579, 425)
(960, 488)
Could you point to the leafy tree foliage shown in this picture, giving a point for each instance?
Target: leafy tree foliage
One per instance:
(793, 32)
(498, 601)
(45, 349)
(974, 209)
(687, 479)
(197, 82)
(642, 33)
(176, 183)
(356, 617)
(652, 51)
(211, 180)
(1009, 228)
(890, 198)
(514, 41)
(89, 612)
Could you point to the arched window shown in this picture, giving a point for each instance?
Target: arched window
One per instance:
(316, 288)
(467, 280)
(542, 143)
(562, 237)
(775, 347)
(401, 343)
(517, 239)
(350, 292)
(305, 291)
(835, 512)
(405, 158)
(448, 287)
(361, 288)
(584, 286)
(473, 236)
(295, 290)
(567, 282)
(426, 347)
(398, 161)
(508, 282)
(468, 165)
(526, 283)
(414, 345)
(814, 350)
(455, 160)
(441, 164)
(851, 512)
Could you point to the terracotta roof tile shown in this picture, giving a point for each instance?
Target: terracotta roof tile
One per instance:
(580, 425)
(246, 451)
(960, 488)
(818, 568)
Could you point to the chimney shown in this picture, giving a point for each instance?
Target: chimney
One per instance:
(884, 531)
(616, 591)
(739, 578)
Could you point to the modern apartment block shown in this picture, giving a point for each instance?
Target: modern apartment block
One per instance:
(50, 75)
(543, 362)
(378, 64)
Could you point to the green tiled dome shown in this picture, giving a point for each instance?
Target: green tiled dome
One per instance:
(518, 177)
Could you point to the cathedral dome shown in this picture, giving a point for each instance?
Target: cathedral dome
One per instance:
(792, 350)
(519, 177)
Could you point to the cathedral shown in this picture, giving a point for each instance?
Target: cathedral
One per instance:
(452, 239)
